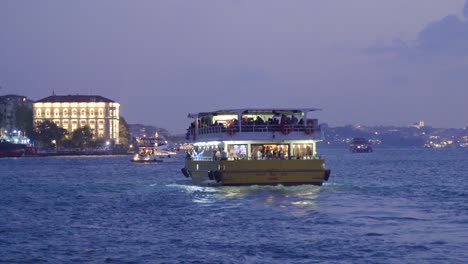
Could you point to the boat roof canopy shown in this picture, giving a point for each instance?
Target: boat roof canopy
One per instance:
(266, 111)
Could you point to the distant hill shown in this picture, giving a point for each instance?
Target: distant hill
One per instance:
(138, 130)
(392, 136)
(383, 136)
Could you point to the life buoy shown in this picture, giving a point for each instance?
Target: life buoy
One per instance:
(232, 130)
(210, 175)
(185, 172)
(285, 129)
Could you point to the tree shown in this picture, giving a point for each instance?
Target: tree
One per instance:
(24, 119)
(47, 134)
(124, 134)
(97, 143)
(81, 137)
(2, 117)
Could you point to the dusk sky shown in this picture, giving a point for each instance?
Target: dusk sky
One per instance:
(370, 62)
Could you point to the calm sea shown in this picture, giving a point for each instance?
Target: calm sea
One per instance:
(390, 206)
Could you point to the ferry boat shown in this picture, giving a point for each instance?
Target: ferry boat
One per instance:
(360, 145)
(255, 147)
(152, 149)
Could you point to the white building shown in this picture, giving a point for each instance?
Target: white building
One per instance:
(74, 111)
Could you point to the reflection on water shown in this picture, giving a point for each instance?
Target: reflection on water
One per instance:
(303, 196)
(393, 206)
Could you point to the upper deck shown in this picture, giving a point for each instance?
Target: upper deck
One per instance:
(254, 124)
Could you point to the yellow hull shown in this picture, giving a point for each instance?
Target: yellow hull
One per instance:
(257, 172)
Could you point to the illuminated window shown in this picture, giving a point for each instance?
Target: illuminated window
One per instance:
(74, 124)
(91, 112)
(47, 112)
(237, 151)
(56, 112)
(65, 112)
(101, 112)
(38, 112)
(74, 112)
(302, 151)
(83, 112)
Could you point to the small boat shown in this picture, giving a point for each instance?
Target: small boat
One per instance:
(254, 147)
(145, 159)
(360, 145)
(152, 149)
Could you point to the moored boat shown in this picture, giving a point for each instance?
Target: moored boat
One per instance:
(255, 147)
(360, 145)
(15, 144)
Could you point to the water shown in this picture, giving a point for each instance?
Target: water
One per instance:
(390, 206)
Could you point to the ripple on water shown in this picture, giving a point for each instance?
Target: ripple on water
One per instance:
(387, 207)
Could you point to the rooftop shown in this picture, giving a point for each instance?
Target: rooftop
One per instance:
(74, 98)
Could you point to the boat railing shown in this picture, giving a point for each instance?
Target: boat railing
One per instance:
(305, 157)
(282, 128)
(211, 130)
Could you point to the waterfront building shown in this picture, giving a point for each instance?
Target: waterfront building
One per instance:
(74, 111)
(9, 105)
(419, 125)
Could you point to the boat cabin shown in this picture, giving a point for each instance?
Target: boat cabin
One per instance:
(254, 134)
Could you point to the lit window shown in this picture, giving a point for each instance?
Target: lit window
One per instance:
(65, 112)
(38, 112)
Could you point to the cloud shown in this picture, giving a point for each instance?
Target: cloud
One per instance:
(447, 37)
(465, 9)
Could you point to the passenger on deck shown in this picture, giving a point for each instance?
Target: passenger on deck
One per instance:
(188, 155)
(259, 121)
(259, 153)
(224, 154)
(281, 153)
(217, 155)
